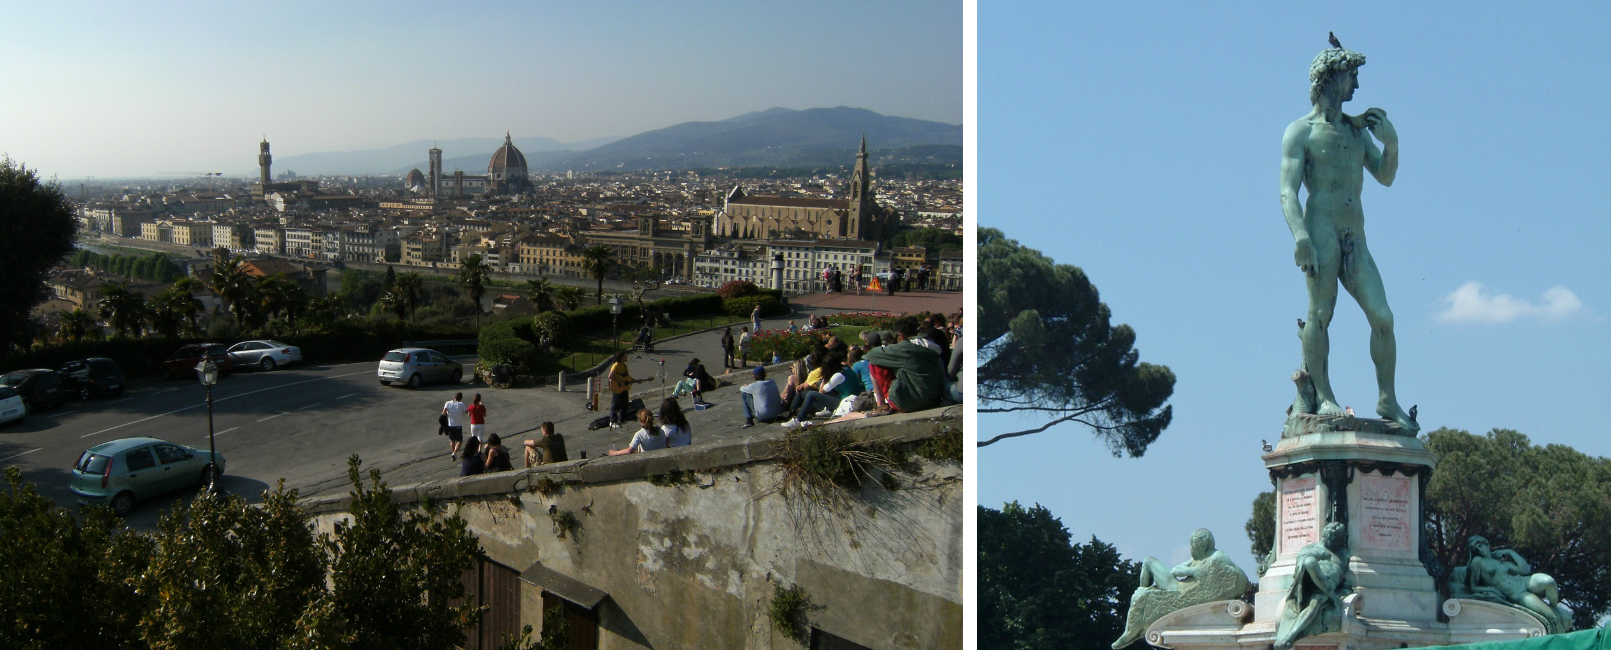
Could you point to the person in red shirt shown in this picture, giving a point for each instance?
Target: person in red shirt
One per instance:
(478, 418)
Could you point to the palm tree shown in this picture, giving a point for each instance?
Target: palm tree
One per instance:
(185, 303)
(124, 310)
(473, 276)
(167, 310)
(597, 260)
(75, 325)
(567, 297)
(279, 295)
(234, 286)
(410, 288)
(395, 302)
(541, 292)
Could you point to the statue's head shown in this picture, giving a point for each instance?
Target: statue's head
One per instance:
(1477, 546)
(1334, 536)
(1335, 70)
(1202, 544)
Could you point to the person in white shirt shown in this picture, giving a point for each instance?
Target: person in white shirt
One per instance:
(649, 438)
(454, 409)
(678, 433)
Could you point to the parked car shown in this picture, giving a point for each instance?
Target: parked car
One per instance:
(415, 366)
(184, 360)
(266, 355)
(11, 407)
(92, 377)
(40, 388)
(123, 472)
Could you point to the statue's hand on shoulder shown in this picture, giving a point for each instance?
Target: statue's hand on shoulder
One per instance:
(1376, 120)
(1305, 256)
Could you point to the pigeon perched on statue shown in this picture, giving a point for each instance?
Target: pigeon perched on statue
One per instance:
(1333, 38)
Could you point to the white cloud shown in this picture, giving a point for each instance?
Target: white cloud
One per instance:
(1471, 304)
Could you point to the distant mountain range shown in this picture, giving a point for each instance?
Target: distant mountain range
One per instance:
(777, 137)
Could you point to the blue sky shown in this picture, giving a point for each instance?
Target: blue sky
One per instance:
(1141, 142)
(114, 89)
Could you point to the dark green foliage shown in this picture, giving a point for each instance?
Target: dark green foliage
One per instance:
(1039, 592)
(824, 457)
(935, 239)
(1047, 347)
(63, 579)
(566, 525)
(36, 232)
(788, 610)
(944, 447)
(703, 304)
(156, 267)
(1550, 503)
(551, 326)
(518, 353)
(1261, 526)
(555, 636)
(741, 307)
(673, 478)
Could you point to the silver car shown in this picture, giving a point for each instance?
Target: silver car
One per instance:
(266, 355)
(122, 472)
(415, 366)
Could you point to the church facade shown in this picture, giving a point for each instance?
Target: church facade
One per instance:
(771, 217)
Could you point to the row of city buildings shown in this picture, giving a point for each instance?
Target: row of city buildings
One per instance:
(698, 237)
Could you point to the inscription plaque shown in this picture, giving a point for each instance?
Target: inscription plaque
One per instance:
(1385, 512)
(1299, 522)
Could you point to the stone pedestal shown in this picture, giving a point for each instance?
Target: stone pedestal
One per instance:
(1370, 475)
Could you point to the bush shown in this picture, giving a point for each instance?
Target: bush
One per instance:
(550, 326)
(741, 307)
(864, 318)
(688, 306)
(785, 345)
(738, 289)
(518, 353)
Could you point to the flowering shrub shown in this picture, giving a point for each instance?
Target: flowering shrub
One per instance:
(738, 289)
(864, 318)
(785, 345)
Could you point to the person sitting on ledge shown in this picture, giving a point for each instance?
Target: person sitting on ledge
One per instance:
(910, 375)
(495, 457)
(649, 438)
(761, 399)
(548, 449)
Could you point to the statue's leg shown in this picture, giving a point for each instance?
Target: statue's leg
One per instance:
(1364, 282)
(1155, 573)
(1532, 602)
(1322, 303)
(1544, 585)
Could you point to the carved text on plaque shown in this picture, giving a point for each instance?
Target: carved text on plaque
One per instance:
(1385, 512)
(1299, 520)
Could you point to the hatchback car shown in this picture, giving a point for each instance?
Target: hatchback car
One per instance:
(266, 355)
(40, 388)
(92, 377)
(184, 360)
(415, 366)
(11, 407)
(123, 472)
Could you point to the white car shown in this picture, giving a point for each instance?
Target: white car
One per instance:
(11, 408)
(266, 355)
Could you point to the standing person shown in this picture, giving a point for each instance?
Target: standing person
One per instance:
(744, 341)
(727, 347)
(890, 288)
(678, 433)
(755, 318)
(494, 457)
(855, 278)
(454, 410)
(478, 418)
(471, 464)
(648, 438)
(620, 388)
(550, 448)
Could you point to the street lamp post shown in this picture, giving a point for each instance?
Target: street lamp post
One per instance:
(615, 320)
(207, 371)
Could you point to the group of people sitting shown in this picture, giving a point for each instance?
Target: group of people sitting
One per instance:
(675, 432)
(911, 368)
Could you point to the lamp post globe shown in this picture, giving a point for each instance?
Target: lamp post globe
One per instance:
(207, 372)
(615, 322)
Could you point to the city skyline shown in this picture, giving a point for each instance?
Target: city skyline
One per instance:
(370, 76)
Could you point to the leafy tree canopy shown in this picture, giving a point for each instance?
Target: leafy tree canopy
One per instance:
(936, 239)
(1048, 348)
(1038, 591)
(36, 232)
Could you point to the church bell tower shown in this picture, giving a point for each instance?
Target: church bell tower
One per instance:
(861, 196)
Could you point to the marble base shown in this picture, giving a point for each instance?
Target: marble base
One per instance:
(1229, 624)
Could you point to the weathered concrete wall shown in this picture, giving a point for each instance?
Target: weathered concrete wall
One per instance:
(694, 565)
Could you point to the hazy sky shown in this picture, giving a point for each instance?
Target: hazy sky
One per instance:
(1141, 142)
(118, 89)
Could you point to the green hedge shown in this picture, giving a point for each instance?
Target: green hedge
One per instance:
(741, 307)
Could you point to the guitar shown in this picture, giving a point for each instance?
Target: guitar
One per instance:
(618, 385)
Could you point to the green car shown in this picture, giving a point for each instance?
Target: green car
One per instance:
(122, 472)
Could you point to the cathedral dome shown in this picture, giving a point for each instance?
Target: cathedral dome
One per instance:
(506, 158)
(414, 179)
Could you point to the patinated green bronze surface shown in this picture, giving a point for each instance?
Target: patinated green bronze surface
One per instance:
(1326, 152)
(1503, 576)
(1209, 576)
(1314, 603)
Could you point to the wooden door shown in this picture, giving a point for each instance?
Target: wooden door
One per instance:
(582, 624)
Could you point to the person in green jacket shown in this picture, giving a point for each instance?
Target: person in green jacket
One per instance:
(910, 375)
